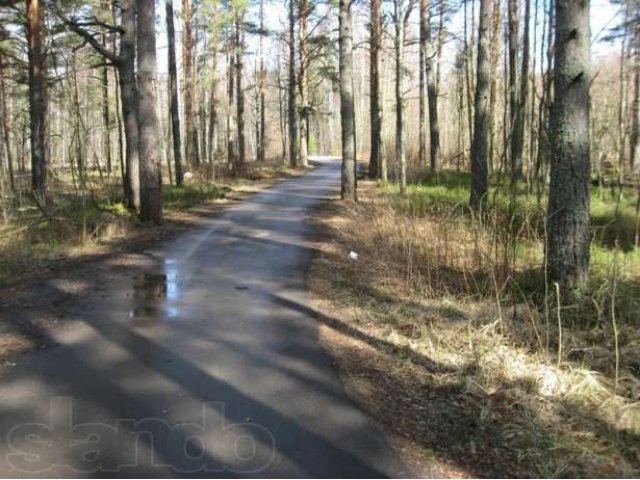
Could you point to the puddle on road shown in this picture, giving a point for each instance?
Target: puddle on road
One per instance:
(155, 296)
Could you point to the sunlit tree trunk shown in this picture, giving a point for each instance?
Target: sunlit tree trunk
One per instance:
(401, 14)
(375, 161)
(106, 114)
(213, 108)
(239, 62)
(568, 235)
(6, 136)
(231, 137)
(635, 110)
(191, 146)
(129, 93)
(305, 11)
(262, 74)
(432, 93)
(37, 100)
(150, 171)
(348, 183)
(441, 11)
(422, 83)
(468, 64)
(493, 92)
(480, 145)
(291, 100)
(515, 153)
(544, 107)
(173, 92)
(523, 97)
(282, 107)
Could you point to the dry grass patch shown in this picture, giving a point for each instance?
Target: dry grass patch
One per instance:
(459, 365)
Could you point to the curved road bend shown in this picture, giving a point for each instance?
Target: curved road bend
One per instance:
(206, 363)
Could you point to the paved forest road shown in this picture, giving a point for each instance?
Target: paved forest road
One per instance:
(205, 364)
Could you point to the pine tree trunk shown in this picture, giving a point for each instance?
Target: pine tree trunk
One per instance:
(37, 100)
(441, 32)
(347, 113)
(493, 92)
(480, 145)
(304, 82)
(375, 159)
(399, 88)
(468, 49)
(4, 101)
(523, 97)
(118, 109)
(173, 92)
(213, 110)
(568, 235)
(150, 171)
(422, 83)
(544, 107)
(635, 111)
(129, 94)
(518, 89)
(191, 145)
(239, 43)
(106, 114)
(195, 91)
(262, 124)
(434, 126)
(282, 108)
(231, 138)
(293, 115)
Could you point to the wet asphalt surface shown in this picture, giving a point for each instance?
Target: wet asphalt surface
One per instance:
(205, 364)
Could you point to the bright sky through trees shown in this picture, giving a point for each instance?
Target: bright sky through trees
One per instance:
(604, 15)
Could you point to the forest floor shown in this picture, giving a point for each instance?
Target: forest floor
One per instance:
(456, 360)
(80, 234)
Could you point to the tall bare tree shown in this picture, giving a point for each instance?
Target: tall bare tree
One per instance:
(432, 94)
(262, 74)
(191, 146)
(305, 8)
(635, 108)
(213, 105)
(422, 85)
(150, 171)
(376, 167)
(173, 92)
(347, 110)
(37, 99)
(401, 13)
(480, 145)
(239, 64)
(515, 154)
(231, 130)
(291, 88)
(493, 90)
(129, 104)
(517, 144)
(568, 235)
(106, 113)
(4, 111)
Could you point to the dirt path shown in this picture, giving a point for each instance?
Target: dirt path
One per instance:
(198, 357)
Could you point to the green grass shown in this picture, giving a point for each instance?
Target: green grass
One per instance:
(72, 223)
(613, 220)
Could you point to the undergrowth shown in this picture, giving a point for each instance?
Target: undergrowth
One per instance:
(543, 388)
(72, 225)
